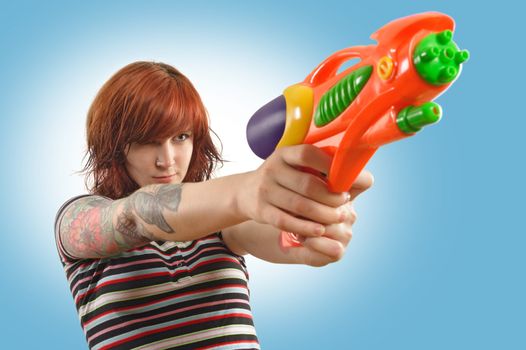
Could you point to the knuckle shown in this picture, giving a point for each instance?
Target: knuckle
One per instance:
(303, 153)
(264, 187)
(266, 169)
(261, 193)
(353, 216)
(307, 186)
(339, 253)
(299, 206)
(348, 235)
(278, 221)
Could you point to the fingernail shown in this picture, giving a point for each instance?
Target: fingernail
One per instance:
(320, 230)
(347, 197)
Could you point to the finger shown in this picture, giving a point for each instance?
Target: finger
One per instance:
(330, 248)
(350, 213)
(297, 205)
(363, 182)
(307, 156)
(311, 257)
(309, 186)
(286, 222)
(339, 232)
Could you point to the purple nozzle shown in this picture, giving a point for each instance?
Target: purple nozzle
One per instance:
(266, 126)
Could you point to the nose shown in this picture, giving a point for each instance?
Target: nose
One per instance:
(166, 156)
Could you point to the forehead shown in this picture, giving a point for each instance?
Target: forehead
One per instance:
(166, 127)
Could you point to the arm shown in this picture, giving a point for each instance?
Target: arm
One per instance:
(96, 227)
(277, 193)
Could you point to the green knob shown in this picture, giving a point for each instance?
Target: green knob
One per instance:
(437, 58)
(447, 74)
(448, 54)
(429, 54)
(445, 37)
(411, 119)
(461, 56)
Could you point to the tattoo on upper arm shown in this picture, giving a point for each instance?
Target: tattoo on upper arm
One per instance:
(149, 206)
(88, 230)
(81, 228)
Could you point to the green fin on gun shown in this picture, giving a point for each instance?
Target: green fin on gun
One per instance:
(340, 96)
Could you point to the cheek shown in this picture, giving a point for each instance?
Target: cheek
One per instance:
(132, 170)
(135, 162)
(188, 155)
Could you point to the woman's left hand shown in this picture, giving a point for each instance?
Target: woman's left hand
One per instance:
(329, 248)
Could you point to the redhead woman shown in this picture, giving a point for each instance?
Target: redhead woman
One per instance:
(154, 251)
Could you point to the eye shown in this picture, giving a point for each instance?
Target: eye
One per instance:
(182, 137)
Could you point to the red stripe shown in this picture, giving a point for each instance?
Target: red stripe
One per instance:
(125, 308)
(150, 246)
(156, 274)
(153, 331)
(163, 314)
(120, 280)
(140, 262)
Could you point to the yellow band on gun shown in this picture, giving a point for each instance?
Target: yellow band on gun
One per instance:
(300, 101)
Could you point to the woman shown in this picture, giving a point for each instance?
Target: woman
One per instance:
(153, 253)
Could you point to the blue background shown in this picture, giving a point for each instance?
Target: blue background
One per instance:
(437, 259)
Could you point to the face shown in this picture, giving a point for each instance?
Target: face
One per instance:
(160, 161)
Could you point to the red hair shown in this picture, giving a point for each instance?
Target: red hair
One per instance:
(144, 101)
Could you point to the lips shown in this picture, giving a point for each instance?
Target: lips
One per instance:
(164, 179)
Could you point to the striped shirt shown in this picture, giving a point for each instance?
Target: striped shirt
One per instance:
(163, 295)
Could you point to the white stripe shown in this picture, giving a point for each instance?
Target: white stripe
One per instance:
(182, 320)
(202, 335)
(158, 289)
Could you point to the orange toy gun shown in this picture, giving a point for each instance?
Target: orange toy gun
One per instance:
(383, 98)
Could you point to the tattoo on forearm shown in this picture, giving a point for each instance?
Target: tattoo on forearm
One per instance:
(129, 228)
(149, 206)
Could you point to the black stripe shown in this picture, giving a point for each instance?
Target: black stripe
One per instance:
(163, 258)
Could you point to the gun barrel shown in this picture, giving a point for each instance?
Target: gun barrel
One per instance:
(411, 119)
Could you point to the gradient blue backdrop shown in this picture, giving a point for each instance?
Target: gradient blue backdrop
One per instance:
(437, 258)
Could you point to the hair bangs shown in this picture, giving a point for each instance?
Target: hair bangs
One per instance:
(176, 108)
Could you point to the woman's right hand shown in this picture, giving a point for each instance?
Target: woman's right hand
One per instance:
(280, 194)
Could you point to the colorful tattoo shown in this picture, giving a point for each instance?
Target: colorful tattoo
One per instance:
(87, 229)
(96, 227)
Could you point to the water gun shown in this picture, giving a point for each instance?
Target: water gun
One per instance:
(385, 97)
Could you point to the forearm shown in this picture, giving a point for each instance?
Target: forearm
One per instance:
(261, 241)
(182, 212)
